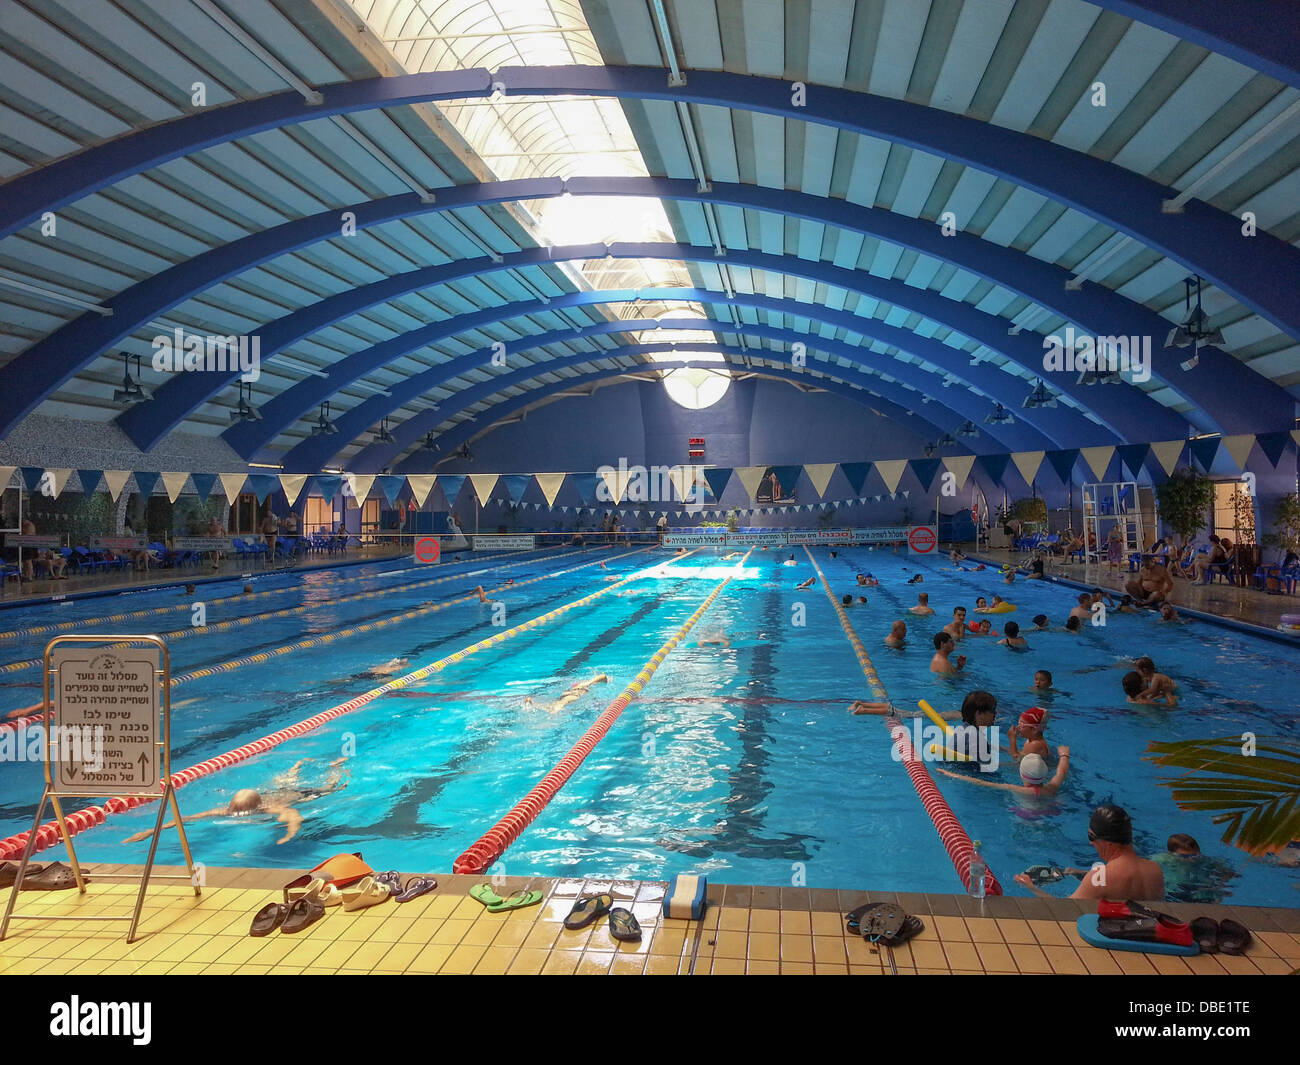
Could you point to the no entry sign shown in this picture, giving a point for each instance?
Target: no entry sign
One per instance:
(922, 539)
(427, 549)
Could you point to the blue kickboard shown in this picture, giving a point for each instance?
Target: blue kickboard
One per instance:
(1087, 929)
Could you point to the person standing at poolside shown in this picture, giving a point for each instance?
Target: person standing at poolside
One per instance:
(269, 528)
(1125, 875)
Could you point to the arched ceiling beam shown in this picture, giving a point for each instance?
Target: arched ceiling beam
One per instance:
(1060, 425)
(314, 453)
(1259, 271)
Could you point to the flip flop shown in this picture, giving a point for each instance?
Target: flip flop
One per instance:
(518, 901)
(392, 879)
(366, 894)
(1234, 938)
(9, 873)
(55, 877)
(415, 887)
(587, 909)
(623, 925)
(483, 893)
(1205, 930)
(302, 914)
(268, 919)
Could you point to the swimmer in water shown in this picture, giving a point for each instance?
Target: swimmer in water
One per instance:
(571, 695)
(1030, 729)
(981, 604)
(806, 584)
(1073, 624)
(790, 561)
(1191, 876)
(1042, 681)
(1012, 637)
(1159, 686)
(1040, 622)
(716, 639)
(956, 628)
(922, 604)
(1083, 610)
(943, 648)
(281, 801)
(1034, 780)
(897, 634)
(866, 580)
(730, 555)
(248, 589)
(1168, 613)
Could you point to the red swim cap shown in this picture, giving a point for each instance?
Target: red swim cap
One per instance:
(1035, 716)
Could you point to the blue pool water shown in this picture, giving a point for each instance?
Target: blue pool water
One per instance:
(740, 762)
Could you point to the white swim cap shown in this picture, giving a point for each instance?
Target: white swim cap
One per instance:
(1033, 770)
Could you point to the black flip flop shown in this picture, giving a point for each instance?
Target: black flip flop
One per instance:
(415, 887)
(268, 919)
(1205, 930)
(1234, 937)
(623, 925)
(587, 909)
(9, 873)
(54, 877)
(302, 914)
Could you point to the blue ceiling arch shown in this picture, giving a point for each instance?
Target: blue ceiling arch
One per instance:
(315, 452)
(1062, 425)
(1130, 412)
(1258, 271)
(1253, 34)
(379, 454)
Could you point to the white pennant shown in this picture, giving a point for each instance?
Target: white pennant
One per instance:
(484, 483)
(751, 477)
(1239, 447)
(231, 483)
(1027, 462)
(1098, 458)
(960, 466)
(359, 483)
(292, 483)
(820, 474)
(174, 482)
(1167, 453)
(550, 484)
(891, 472)
(421, 485)
(60, 478)
(116, 481)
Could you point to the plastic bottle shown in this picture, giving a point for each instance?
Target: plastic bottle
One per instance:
(977, 870)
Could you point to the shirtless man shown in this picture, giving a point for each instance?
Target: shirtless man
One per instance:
(1125, 876)
(1159, 685)
(1083, 609)
(956, 628)
(943, 647)
(922, 604)
(806, 584)
(897, 634)
(281, 801)
(1151, 584)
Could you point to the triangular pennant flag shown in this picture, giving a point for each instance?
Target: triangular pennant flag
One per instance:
(174, 483)
(891, 472)
(857, 473)
(1239, 447)
(359, 485)
(1272, 444)
(995, 466)
(484, 483)
(260, 484)
(1168, 453)
(717, 480)
(1062, 463)
(615, 483)
(232, 484)
(906, 493)
(89, 480)
(516, 485)
(585, 483)
(116, 481)
(1027, 462)
(1205, 449)
(751, 477)
(960, 466)
(293, 483)
(925, 469)
(8, 471)
(820, 474)
(391, 486)
(57, 479)
(203, 483)
(451, 484)
(1098, 459)
(31, 476)
(1133, 456)
(421, 485)
(683, 479)
(550, 484)
(145, 483)
(327, 485)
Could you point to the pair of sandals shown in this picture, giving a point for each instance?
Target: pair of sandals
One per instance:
(309, 907)
(883, 922)
(53, 877)
(587, 909)
(1133, 921)
(495, 903)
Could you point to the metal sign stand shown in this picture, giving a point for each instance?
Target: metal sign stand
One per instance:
(100, 693)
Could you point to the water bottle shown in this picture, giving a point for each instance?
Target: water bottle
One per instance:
(977, 869)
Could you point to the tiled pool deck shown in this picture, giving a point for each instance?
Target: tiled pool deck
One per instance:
(746, 930)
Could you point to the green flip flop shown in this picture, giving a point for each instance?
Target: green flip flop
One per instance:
(483, 893)
(517, 901)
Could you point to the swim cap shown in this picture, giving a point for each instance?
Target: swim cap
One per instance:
(1112, 824)
(1033, 770)
(1033, 716)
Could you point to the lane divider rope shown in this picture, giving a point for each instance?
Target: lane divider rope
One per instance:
(494, 843)
(955, 839)
(48, 834)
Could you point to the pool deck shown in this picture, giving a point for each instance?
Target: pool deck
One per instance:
(745, 931)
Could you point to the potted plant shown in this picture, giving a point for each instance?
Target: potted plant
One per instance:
(1184, 502)
(733, 523)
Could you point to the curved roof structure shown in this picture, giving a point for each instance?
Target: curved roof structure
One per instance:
(385, 193)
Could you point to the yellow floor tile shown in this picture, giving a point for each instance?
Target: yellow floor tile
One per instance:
(762, 967)
(463, 959)
(764, 921)
(796, 923)
(431, 959)
(734, 919)
(827, 924)
(995, 958)
(451, 932)
(829, 950)
(1169, 965)
(764, 946)
(1242, 965)
(796, 948)
(728, 967)
(1029, 958)
(928, 955)
(661, 965)
(983, 930)
(952, 929)
(399, 958)
(1064, 960)
(628, 965)
(542, 936)
(1133, 963)
(1098, 962)
(528, 961)
(1014, 931)
(731, 945)
(1276, 966)
(797, 968)
(562, 963)
(496, 961)
(512, 934)
(1049, 933)
(482, 932)
(668, 940)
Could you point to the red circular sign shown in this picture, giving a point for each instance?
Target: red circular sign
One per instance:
(922, 540)
(427, 549)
